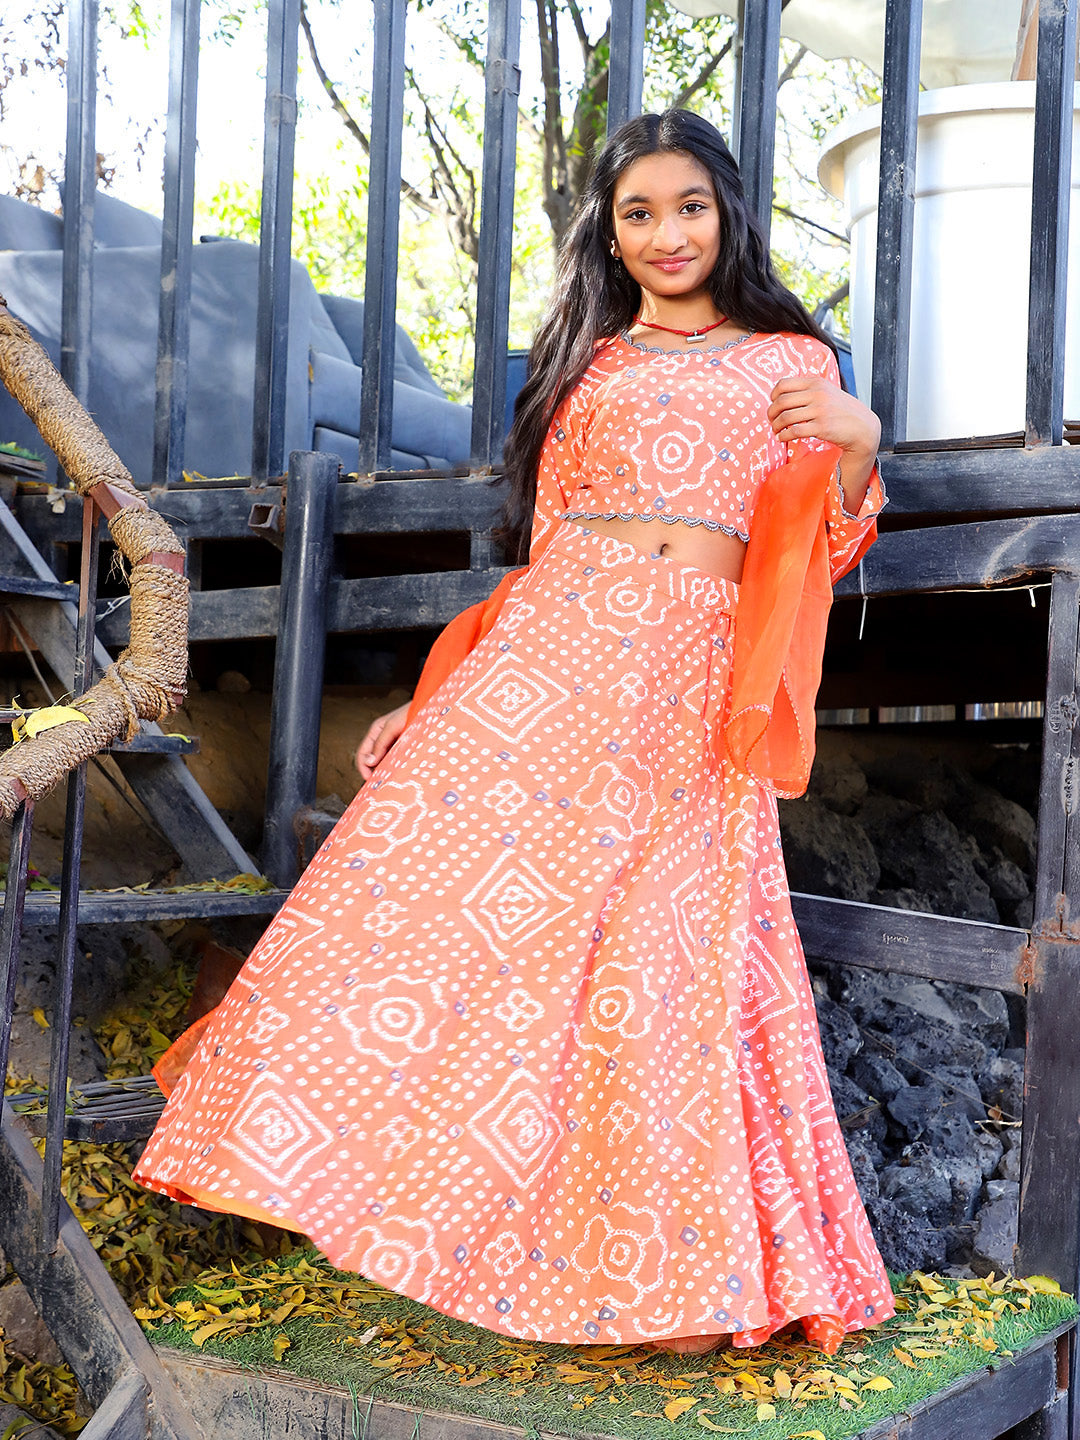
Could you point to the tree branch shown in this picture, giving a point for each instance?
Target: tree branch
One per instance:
(343, 113)
(792, 65)
(705, 74)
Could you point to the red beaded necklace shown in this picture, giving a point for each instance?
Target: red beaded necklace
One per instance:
(690, 336)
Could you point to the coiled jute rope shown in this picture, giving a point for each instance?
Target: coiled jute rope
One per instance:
(150, 677)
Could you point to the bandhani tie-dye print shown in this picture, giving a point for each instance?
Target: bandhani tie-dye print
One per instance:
(532, 1040)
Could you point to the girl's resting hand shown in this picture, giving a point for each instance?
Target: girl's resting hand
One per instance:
(381, 735)
(811, 407)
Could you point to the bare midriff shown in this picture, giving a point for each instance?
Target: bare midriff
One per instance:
(694, 545)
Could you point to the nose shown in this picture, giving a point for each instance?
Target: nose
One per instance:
(668, 235)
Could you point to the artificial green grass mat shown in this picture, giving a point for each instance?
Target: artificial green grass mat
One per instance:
(301, 1315)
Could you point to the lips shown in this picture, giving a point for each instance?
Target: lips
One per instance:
(670, 267)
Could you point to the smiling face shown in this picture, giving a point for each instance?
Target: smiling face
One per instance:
(667, 228)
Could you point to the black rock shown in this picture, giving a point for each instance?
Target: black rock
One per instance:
(989, 1150)
(1009, 1165)
(856, 1110)
(920, 1187)
(866, 1160)
(928, 854)
(826, 853)
(877, 1075)
(995, 822)
(905, 1240)
(961, 1091)
(917, 1109)
(1007, 882)
(838, 782)
(918, 1046)
(1001, 1082)
(840, 1037)
(995, 1236)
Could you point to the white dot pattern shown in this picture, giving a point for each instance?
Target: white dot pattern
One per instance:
(532, 1040)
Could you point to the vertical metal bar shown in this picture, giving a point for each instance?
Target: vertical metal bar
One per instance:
(275, 240)
(503, 82)
(756, 104)
(626, 71)
(11, 923)
(1060, 757)
(306, 565)
(80, 182)
(1051, 184)
(896, 217)
(69, 898)
(171, 388)
(380, 275)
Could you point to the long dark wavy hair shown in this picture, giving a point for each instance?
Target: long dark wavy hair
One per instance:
(595, 298)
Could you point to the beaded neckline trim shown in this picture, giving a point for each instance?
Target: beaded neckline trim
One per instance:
(706, 350)
(691, 520)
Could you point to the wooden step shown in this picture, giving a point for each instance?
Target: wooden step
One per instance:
(249, 1404)
(105, 907)
(104, 1112)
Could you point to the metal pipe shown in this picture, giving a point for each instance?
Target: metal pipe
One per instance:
(503, 82)
(275, 240)
(381, 263)
(80, 182)
(626, 65)
(69, 898)
(306, 565)
(171, 377)
(1050, 194)
(755, 122)
(896, 217)
(11, 923)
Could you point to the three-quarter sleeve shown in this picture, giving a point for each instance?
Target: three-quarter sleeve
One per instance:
(849, 535)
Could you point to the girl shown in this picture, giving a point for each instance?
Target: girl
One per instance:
(532, 1039)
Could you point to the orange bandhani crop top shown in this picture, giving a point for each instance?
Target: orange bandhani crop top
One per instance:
(680, 437)
(684, 437)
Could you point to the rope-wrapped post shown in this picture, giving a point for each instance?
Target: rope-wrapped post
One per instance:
(150, 677)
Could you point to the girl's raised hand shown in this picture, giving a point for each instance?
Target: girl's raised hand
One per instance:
(381, 735)
(809, 407)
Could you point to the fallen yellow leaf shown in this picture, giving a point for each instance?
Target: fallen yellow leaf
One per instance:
(879, 1382)
(674, 1408)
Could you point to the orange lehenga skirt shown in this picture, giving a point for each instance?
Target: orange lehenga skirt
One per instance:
(532, 1039)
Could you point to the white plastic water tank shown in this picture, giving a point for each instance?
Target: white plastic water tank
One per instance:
(972, 243)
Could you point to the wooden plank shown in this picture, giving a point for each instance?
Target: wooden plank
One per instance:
(907, 942)
(41, 589)
(1049, 1227)
(123, 1413)
(380, 507)
(73, 1294)
(1059, 788)
(102, 907)
(925, 482)
(982, 1406)
(935, 482)
(389, 602)
(974, 555)
(249, 1404)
